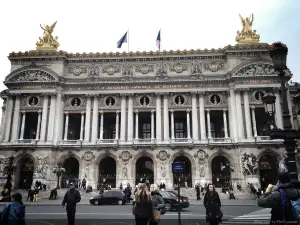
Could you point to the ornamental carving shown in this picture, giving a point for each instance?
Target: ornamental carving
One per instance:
(256, 69)
(88, 156)
(127, 70)
(41, 167)
(144, 68)
(196, 68)
(201, 156)
(178, 67)
(249, 164)
(214, 66)
(78, 70)
(202, 171)
(111, 70)
(33, 75)
(3, 164)
(125, 156)
(161, 69)
(163, 171)
(124, 172)
(75, 103)
(93, 71)
(163, 155)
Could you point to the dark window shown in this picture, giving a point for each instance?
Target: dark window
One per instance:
(180, 129)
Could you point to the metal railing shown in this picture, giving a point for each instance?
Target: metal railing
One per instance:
(182, 140)
(219, 140)
(70, 142)
(144, 141)
(26, 141)
(107, 141)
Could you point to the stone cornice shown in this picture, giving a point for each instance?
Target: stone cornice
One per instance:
(188, 53)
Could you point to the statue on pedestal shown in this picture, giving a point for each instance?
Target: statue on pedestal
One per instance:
(247, 35)
(47, 42)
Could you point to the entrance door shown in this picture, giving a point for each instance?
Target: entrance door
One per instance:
(71, 173)
(187, 176)
(26, 168)
(144, 170)
(107, 172)
(268, 170)
(221, 171)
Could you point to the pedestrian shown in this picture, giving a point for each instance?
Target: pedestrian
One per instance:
(53, 194)
(14, 212)
(198, 191)
(35, 194)
(281, 212)
(30, 195)
(83, 183)
(142, 206)
(72, 197)
(212, 205)
(158, 207)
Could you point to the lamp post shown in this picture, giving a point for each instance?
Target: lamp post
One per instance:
(9, 170)
(278, 54)
(59, 170)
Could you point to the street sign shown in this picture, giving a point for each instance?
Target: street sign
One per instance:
(178, 167)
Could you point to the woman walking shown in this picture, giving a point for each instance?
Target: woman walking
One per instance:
(143, 206)
(158, 207)
(212, 205)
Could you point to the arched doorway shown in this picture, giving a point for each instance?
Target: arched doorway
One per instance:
(107, 171)
(268, 170)
(24, 171)
(221, 171)
(71, 173)
(144, 170)
(187, 176)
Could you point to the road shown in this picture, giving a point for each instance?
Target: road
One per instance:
(92, 215)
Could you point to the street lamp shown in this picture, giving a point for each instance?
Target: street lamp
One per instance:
(278, 54)
(9, 170)
(269, 102)
(59, 170)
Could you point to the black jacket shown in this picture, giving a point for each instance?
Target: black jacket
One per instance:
(273, 200)
(72, 197)
(143, 208)
(212, 202)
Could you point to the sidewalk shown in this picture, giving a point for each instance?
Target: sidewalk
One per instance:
(259, 217)
(86, 201)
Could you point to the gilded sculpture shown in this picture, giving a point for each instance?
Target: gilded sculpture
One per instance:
(247, 35)
(47, 42)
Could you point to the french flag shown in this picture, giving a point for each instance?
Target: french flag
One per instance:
(158, 41)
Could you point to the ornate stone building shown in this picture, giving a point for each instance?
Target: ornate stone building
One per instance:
(123, 117)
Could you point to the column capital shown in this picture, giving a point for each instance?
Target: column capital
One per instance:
(188, 110)
(123, 94)
(276, 89)
(117, 112)
(237, 90)
(82, 113)
(165, 94)
(207, 110)
(201, 93)
(252, 107)
(51, 94)
(3, 108)
(224, 110)
(158, 94)
(152, 111)
(136, 111)
(88, 96)
(246, 90)
(67, 113)
(101, 112)
(23, 112)
(40, 111)
(171, 110)
(193, 93)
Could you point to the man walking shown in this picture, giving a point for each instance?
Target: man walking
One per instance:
(72, 197)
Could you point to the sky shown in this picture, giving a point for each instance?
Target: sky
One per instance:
(97, 25)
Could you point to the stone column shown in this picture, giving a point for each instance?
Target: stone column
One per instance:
(152, 125)
(130, 119)
(136, 125)
(3, 119)
(95, 120)
(7, 127)
(16, 120)
(123, 118)
(288, 95)
(59, 118)
(44, 118)
(233, 115)
(225, 123)
(195, 117)
(254, 121)
(117, 125)
(202, 117)
(188, 124)
(172, 125)
(81, 126)
(66, 126)
(38, 126)
(208, 123)
(247, 115)
(51, 118)
(239, 116)
(101, 125)
(158, 118)
(278, 111)
(87, 119)
(166, 119)
(23, 125)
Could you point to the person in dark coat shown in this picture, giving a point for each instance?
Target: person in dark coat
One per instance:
(157, 204)
(198, 191)
(72, 197)
(272, 199)
(143, 206)
(212, 205)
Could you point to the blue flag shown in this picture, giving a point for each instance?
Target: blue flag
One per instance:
(122, 40)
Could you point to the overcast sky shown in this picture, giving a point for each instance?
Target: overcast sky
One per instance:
(96, 26)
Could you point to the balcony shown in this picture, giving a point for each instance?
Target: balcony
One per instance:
(144, 142)
(266, 139)
(181, 142)
(25, 142)
(107, 142)
(220, 141)
(75, 143)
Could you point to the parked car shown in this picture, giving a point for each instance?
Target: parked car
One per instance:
(108, 198)
(171, 200)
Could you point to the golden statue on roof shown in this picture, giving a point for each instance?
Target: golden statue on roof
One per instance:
(47, 42)
(247, 35)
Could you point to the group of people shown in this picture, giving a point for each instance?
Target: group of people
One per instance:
(81, 184)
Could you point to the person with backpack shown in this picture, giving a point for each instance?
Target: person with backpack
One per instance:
(283, 200)
(72, 197)
(14, 212)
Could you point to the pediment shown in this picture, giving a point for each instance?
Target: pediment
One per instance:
(257, 69)
(32, 74)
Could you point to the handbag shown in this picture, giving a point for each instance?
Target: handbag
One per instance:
(156, 215)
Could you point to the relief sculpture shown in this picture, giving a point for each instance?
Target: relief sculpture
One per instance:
(42, 167)
(249, 164)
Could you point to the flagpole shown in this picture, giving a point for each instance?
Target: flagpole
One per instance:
(128, 39)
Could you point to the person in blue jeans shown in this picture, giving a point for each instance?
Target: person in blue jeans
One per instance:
(14, 212)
